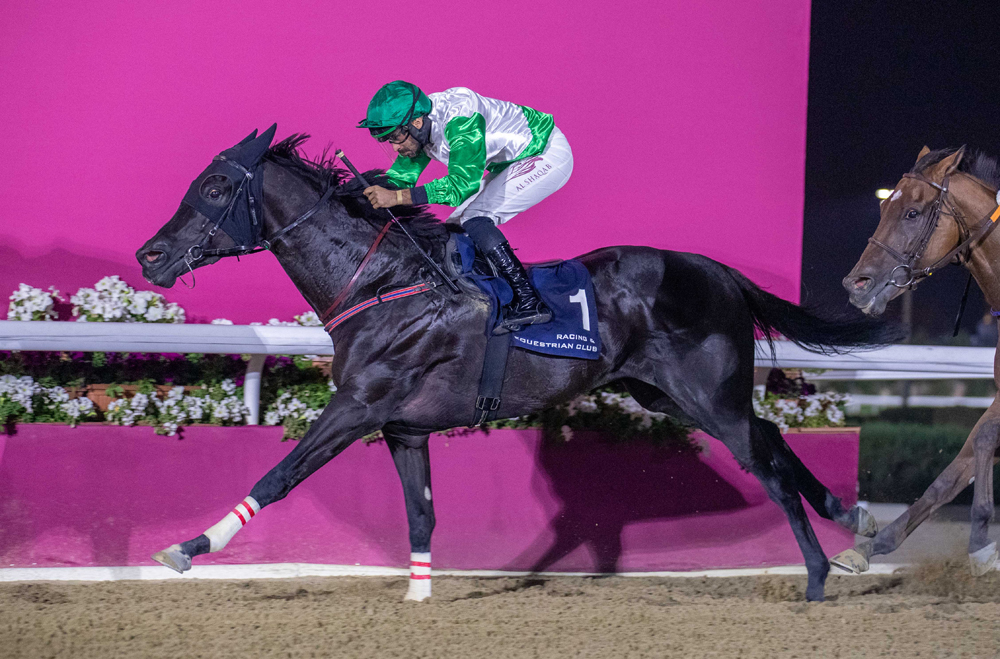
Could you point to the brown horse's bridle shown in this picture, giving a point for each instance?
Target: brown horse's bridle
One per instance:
(941, 205)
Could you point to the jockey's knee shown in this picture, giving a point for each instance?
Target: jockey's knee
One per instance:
(484, 233)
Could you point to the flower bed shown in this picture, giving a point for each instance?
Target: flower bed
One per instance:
(171, 391)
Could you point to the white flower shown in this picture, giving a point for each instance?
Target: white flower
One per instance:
(112, 300)
(308, 319)
(222, 321)
(29, 303)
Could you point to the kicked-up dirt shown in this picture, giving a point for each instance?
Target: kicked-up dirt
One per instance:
(935, 610)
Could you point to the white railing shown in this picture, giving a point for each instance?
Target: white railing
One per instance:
(858, 401)
(900, 362)
(256, 340)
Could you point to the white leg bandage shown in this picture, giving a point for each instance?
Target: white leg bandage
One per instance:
(420, 577)
(220, 534)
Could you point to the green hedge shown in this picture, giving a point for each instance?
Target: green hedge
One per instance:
(898, 461)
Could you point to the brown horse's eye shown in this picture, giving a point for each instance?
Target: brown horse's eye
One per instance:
(912, 215)
(215, 193)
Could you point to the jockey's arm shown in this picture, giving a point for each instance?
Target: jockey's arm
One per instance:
(466, 137)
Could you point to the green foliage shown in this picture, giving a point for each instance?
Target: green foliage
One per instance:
(898, 461)
(618, 418)
(10, 411)
(78, 369)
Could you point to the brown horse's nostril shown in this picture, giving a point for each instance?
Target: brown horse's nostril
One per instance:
(153, 256)
(862, 283)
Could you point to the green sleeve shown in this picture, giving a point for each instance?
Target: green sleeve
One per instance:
(405, 171)
(466, 161)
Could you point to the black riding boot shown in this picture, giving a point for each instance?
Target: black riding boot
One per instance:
(527, 308)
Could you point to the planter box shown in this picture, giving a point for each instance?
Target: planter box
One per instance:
(97, 393)
(109, 495)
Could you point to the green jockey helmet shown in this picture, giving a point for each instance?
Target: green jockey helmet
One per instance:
(394, 106)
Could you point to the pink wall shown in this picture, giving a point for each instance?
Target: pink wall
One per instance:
(687, 121)
(106, 495)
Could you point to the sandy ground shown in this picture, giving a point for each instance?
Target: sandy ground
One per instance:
(935, 610)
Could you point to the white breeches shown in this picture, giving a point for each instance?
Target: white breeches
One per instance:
(526, 182)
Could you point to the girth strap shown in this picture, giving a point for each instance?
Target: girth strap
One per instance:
(491, 381)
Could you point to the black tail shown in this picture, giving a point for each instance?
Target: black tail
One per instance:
(823, 332)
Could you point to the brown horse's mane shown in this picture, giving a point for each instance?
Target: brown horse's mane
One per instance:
(977, 164)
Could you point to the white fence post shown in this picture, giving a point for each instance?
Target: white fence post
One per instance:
(251, 388)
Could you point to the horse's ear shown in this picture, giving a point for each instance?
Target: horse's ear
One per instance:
(255, 149)
(923, 152)
(951, 163)
(248, 138)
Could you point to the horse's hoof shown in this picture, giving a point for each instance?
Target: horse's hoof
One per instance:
(850, 560)
(867, 526)
(984, 560)
(174, 558)
(419, 591)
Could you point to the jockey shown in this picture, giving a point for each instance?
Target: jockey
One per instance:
(525, 158)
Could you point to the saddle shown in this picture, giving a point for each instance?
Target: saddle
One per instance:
(457, 270)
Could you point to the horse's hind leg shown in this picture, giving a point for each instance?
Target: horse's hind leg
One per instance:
(747, 440)
(778, 478)
(412, 458)
(856, 519)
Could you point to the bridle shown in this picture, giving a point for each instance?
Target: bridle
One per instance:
(196, 252)
(942, 205)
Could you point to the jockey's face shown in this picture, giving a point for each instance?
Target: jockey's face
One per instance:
(403, 143)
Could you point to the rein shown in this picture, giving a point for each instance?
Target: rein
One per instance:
(412, 290)
(910, 256)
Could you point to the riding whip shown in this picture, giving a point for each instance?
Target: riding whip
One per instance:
(354, 170)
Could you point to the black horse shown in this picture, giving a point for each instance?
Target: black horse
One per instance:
(677, 332)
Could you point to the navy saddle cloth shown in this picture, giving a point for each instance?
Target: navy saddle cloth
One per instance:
(566, 288)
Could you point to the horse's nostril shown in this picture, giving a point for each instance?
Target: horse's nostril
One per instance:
(862, 283)
(153, 256)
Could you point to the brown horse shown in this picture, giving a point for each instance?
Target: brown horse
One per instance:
(946, 207)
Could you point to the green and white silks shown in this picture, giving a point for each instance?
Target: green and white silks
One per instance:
(473, 134)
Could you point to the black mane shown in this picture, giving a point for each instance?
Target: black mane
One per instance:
(320, 172)
(976, 163)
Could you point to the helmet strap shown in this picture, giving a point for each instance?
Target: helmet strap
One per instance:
(423, 134)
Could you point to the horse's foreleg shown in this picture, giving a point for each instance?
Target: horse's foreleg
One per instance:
(343, 421)
(412, 457)
(982, 552)
(948, 485)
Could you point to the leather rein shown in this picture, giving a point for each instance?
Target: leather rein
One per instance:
(941, 205)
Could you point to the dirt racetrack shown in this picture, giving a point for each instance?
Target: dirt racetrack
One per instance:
(934, 611)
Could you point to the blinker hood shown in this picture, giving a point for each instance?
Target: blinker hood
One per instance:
(240, 166)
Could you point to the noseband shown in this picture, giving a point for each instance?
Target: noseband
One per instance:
(941, 205)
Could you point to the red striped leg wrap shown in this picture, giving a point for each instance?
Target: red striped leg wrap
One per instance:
(245, 511)
(220, 534)
(419, 570)
(420, 577)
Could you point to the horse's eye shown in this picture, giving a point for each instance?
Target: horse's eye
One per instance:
(912, 215)
(215, 193)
